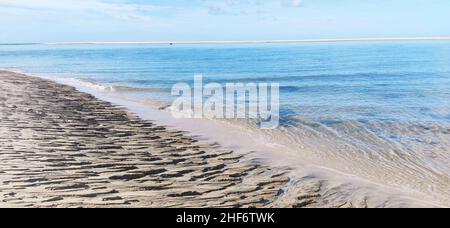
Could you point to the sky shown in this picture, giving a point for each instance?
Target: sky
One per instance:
(201, 20)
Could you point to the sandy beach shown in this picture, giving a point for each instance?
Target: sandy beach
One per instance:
(63, 148)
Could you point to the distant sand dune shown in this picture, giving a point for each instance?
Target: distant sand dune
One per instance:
(267, 41)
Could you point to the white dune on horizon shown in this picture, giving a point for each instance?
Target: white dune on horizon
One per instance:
(263, 41)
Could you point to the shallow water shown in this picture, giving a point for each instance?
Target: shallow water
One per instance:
(377, 110)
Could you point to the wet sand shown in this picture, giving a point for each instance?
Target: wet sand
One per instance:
(63, 148)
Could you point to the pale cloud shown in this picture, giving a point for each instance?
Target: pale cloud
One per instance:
(143, 11)
(243, 7)
(297, 3)
(122, 11)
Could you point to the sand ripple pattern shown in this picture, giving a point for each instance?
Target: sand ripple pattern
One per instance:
(60, 147)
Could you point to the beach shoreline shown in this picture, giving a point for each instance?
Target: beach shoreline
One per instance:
(65, 148)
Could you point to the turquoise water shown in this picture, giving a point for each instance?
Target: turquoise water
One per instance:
(377, 110)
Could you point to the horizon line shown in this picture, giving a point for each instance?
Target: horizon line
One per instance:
(326, 40)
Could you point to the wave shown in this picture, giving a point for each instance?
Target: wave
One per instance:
(222, 79)
(94, 85)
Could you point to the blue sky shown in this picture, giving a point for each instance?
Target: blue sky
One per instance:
(183, 20)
